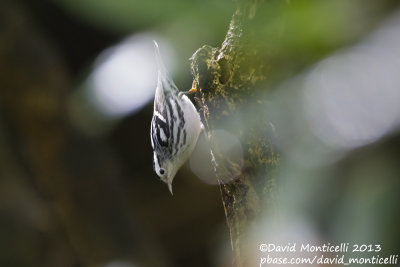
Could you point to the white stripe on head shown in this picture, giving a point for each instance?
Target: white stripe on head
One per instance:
(156, 163)
(151, 133)
(158, 115)
(162, 135)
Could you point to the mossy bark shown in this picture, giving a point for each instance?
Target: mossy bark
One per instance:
(227, 78)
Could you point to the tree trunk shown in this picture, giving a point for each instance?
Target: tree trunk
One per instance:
(227, 79)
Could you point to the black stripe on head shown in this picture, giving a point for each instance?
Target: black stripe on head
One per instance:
(180, 113)
(177, 140)
(158, 160)
(180, 127)
(171, 122)
(184, 137)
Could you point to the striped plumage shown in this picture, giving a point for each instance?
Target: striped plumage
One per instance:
(175, 126)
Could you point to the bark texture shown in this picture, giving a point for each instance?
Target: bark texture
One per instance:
(227, 78)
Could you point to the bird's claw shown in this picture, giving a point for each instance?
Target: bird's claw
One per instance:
(193, 89)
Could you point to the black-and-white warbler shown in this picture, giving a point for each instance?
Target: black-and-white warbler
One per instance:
(175, 126)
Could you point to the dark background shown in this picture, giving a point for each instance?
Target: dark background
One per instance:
(82, 192)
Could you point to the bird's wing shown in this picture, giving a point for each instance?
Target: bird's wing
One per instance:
(166, 89)
(165, 85)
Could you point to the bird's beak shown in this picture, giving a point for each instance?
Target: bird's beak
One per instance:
(170, 187)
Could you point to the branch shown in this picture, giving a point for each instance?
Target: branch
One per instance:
(227, 78)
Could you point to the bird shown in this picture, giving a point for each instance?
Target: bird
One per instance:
(175, 125)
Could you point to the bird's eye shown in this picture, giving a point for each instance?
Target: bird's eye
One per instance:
(162, 171)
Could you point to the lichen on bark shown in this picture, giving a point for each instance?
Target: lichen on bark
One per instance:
(226, 78)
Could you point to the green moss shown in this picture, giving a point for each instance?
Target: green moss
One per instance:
(226, 78)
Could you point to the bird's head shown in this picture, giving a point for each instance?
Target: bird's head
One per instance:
(166, 169)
